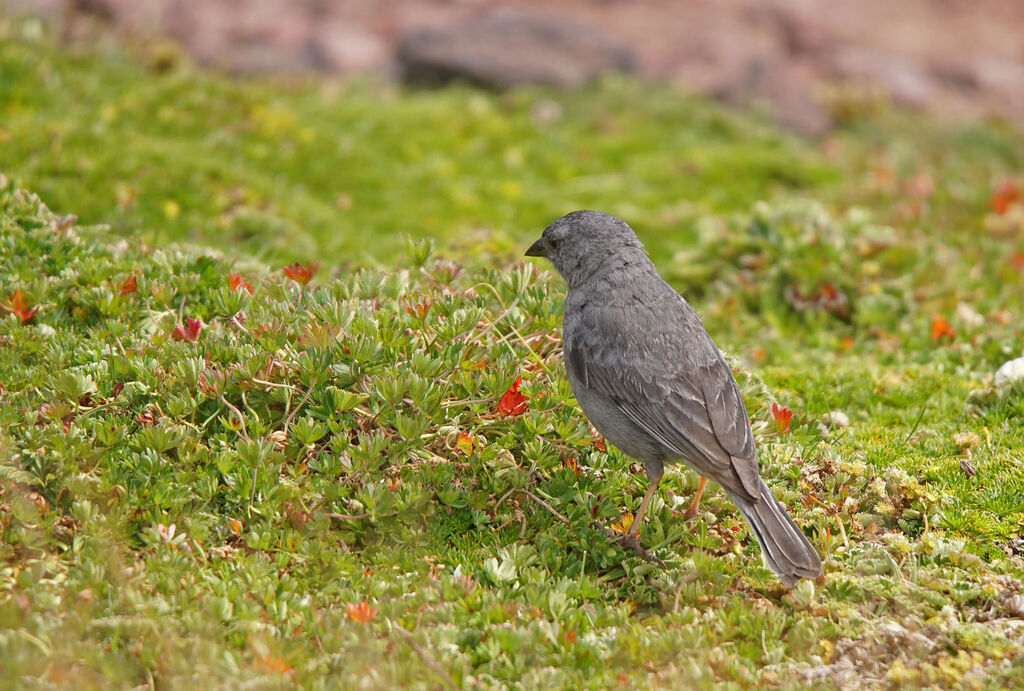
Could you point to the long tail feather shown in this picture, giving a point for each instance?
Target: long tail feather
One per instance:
(783, 544)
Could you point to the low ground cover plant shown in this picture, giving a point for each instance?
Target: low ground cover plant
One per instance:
(215, 472)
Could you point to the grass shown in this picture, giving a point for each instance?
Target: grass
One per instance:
(318, 484)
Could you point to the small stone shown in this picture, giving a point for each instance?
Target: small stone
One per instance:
(1015, 606)
(1010, 371)
(969, 316)
(967, 467)
(921, 641)
(837, 419)
(891, 629)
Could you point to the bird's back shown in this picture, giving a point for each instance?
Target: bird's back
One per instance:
(637, 353)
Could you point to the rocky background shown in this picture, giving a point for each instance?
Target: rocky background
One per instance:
(806, 62)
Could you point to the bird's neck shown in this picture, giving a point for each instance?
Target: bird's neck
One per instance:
(620, 272)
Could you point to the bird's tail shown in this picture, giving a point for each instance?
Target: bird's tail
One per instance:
(783, 544)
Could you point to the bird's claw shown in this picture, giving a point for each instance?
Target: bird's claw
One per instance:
(632, 543)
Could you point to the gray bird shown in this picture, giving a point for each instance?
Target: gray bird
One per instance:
(650, 379)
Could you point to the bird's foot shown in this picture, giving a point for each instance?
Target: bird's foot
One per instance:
(632, 543)
(690, 514)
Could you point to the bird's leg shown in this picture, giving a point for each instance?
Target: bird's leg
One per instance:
(692, 511)
(654, 473)
(639, 517)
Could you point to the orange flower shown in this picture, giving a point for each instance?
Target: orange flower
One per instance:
(782, 416)
(16, 304)
(512, 402)
(1005, 194)
(361, 612)
(302, 274)
(235, 526)
(1017, 261)
(128, 286)
(235, 281)
(942, 329)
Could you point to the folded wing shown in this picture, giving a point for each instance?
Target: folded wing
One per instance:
(660, 367)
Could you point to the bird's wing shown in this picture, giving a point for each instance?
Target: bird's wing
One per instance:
(660, 367)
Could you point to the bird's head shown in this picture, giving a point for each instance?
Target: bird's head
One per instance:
(585, 243)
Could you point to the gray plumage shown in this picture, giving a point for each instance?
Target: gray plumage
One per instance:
(650, 379)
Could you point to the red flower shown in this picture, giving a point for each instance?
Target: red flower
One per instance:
(782, 416)
(1005, 195)
(512, 402)
(16, 304)
(361, 612)
(129, 286)
(189, 332)
(235, 281)
(302, 274)
(942, 329)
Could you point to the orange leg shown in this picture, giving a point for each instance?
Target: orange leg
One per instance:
(692, 511)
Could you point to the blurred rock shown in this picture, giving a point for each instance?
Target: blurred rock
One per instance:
(338, 46)
(785, 90)
(1010, 371)
(783, 56)
(1014, 606)
(837, 419)
(506, 48)
(905, 82)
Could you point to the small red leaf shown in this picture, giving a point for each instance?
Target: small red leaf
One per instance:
(464, 442)
(512, 402)
(128, 286)
(942, 329)
(16, 304)
(1005, 194)
(302, 274)
(782, 416)
(189, 332)
(235, 281)
(361, 612)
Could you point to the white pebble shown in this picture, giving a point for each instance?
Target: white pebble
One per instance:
(1010, 371)
(837, 419)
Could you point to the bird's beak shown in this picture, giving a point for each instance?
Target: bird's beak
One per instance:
(538, 249)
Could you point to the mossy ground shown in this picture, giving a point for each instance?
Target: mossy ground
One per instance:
(316, 484)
